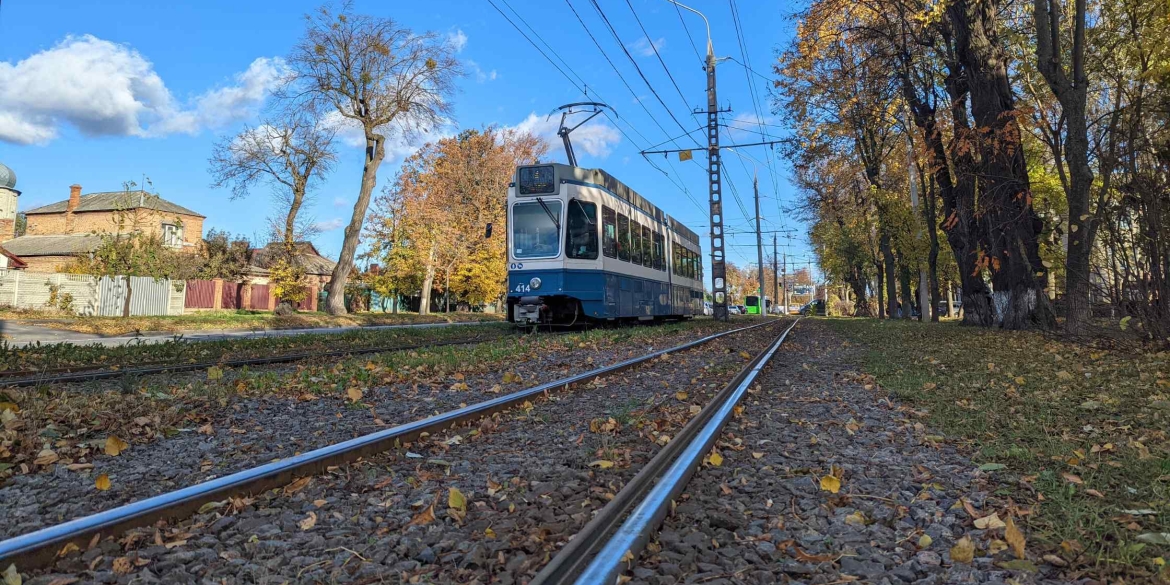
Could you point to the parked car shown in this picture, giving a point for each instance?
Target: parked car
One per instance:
(734, 310)
(816, 307)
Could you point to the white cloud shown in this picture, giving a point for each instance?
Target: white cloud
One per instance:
(108, 89)
(481, 76)
(340, 201)
(328, 225)
(457, 39)
(595, 138)
(643, 48)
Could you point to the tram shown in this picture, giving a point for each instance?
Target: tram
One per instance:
(583, 246)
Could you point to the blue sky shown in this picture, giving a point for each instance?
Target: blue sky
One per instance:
(99, 93)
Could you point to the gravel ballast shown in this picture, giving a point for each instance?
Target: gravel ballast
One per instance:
(481, 504)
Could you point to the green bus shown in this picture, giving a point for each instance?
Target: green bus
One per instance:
(752, 304)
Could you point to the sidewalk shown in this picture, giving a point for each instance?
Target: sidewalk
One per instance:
(20, 334)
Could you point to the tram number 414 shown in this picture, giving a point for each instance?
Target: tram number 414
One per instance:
(522, 288)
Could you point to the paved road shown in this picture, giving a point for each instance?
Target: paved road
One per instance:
(20, 334)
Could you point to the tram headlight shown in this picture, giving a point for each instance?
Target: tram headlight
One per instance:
(534, 283)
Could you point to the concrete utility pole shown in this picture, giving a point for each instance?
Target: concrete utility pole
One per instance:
(715, 185)
(924, 308)
(759, 245)
(784, 280)
(775, 275)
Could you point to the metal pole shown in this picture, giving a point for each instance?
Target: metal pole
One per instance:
(759, 246)
(715, 183)
(775, 275)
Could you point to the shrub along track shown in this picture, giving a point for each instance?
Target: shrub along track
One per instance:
(652, 393)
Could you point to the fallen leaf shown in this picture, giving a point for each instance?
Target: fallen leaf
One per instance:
(206, 430)
(996, 546)
(925, 541)
(297, 486)
(102, 482)
(460, 386)
(11, 577)
(991, 467)
(757, 455)
(602, 463)
(46, 457)
(425, 517)
(963, 551)
(745, 355)
(807, 558)
(511, 377)
(320, 503)
(1095, 494)
(830, 483)
(695, 409)
(1014, 538)
(855, 519)
(354, 393)
(990, 522)
(308, 523)
(715, 459)
(1072, 478)
(1155, 537)
(115, 446)
(122, 566)
(455, 499)
(68, 549)
(488, 532)
(214, 373)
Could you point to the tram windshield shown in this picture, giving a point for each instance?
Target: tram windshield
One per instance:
(535, 229)
(581, 233)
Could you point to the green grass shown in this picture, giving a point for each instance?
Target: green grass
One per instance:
(1052, 411)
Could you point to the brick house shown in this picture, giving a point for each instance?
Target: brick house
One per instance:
(318, 269)
(58, 232)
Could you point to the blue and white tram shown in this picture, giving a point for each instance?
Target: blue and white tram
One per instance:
(583, 246)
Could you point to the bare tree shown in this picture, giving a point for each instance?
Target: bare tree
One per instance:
(289, 153)
(376, 75)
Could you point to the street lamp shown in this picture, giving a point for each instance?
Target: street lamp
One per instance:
(710, 51)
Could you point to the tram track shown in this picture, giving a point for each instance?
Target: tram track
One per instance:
(41, 547)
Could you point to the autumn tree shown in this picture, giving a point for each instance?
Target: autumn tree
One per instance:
(224, 256)
(375, 75)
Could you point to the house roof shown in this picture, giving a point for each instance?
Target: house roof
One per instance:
(69, 245)
(116, 200)
(15, 261)
(308, 256)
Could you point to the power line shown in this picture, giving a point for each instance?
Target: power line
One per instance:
(650, 41)
(688, 31)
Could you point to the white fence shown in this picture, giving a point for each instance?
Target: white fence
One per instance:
(90, 296)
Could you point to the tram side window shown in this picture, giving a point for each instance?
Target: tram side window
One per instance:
(659, 252)
(676, 258)
(581, 236)
(647, 248)
(636, 243)
(623, 237)
(690, 264)
(608, 232)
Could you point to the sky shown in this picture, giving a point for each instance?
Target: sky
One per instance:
(100, 93)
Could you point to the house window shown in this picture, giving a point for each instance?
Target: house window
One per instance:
(172, 235)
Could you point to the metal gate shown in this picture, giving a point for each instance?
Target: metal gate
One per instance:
(147, 296)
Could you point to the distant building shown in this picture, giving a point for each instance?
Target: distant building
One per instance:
(318, 268)
(58, 232)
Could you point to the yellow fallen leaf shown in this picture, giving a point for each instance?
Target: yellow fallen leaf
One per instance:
(757, 455)
(830, 483)
(680, 395)
(354, 393)
(963, 551)
(715, 459)
(214, 373)
(320, 503)
(1019, 380)
(745, 355)
(68, 549)
(455, 499)
(460, 386)
(990, 522)
(102, 482)
(4, 406)
(11, 576)
(602, 463)
(1015, 538)
(309, 522)
(122, 566)
(511, 377)
(855, 519)
(488, 532)
(114, 446)
(925, 541)
(996, 546)
(459, 376)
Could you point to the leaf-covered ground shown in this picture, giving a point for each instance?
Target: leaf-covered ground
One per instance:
(1079, 432)
(205, 320)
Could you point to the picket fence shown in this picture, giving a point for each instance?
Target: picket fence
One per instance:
(91, 296)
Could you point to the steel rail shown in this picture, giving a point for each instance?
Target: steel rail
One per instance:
(89, 376)
(39, 548)
(602, 550)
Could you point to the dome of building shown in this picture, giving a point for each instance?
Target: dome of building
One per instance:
(7, 177)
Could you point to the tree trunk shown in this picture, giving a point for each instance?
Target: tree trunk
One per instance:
(126, 302)
(881, 288)
(290, 221)
(950, 301)
(1005, 197)
(890, 271)
(424, 304)
(860, 305)
(907, 293)
(375, 152)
